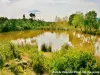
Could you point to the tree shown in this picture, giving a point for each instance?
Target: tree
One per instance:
(78, 20)
(71, 18)
(98, 23)
(90, 18)
(24, 17)
(2, 20)
(32, 15)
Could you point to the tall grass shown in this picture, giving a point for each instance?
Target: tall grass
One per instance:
(46, 48)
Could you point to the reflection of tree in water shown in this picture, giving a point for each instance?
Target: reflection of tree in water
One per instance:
(97, 48)
(70, 36)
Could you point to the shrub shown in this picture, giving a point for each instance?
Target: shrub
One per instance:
(5, 53)
(15, 52)
(17, 69)
(49, 48)
(1, 61)
(73, 60)
(39, 63)
(46, 48)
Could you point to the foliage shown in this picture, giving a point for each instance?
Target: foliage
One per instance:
(1, 61)
(66, 59)
(32, 15)
(14, 51)
(46, 48)
(88, 23)
(24, 17)
(2, 20)
(21, 24)
(73, 60)
(4, 53)
(8, 52)
(5, 50)
(71, 18)
(60, 23)
(39, 62)
(78, 20)
(16, 69)
(90, 18)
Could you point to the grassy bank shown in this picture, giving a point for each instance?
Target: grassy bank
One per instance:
(19, 60)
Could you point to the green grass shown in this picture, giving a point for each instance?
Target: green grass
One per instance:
(38, 62)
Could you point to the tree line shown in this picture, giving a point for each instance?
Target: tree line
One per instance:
(89, 23)
(7, 25)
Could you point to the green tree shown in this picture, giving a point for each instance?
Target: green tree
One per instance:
(90, 18)
(32, 15)
(71, 18)
(3, 19)
(78, 20)
(98, 23)
(24, 17)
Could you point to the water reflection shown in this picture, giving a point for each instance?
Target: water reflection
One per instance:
(89, 40)
(48, 38)
(52, 39)
(85, 39)
(57, 39)
(23, 42)
(97, 48)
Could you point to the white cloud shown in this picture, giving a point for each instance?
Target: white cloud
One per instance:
(5, 0)
(49, 8)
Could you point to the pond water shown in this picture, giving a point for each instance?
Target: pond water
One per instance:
(54, 38)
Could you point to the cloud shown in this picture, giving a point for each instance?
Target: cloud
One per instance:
(34, 11)
(48, 8)
(5, 1)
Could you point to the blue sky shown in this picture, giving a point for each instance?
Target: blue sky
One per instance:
(46, 9)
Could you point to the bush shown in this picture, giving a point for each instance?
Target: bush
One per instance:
(49, 48)
(8, 52)
(73, 60)
(46, 48)
(39, 63)
(2, 61)
(15, 52)
(17, 69)
(5, 50)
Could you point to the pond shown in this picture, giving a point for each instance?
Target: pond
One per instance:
(54, 38)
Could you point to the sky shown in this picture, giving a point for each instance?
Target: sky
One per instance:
(47, 9)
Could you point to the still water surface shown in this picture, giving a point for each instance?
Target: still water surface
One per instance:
(54, 38)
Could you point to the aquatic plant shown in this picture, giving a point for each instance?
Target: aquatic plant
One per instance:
(46, 48)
